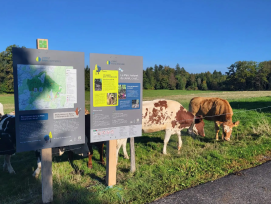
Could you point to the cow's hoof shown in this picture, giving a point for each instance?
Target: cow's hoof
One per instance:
(126, 157)
(103, 163)
(179, 152)
(90, 166)
(35, 175)
(11, 171)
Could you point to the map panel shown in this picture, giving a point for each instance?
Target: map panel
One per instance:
(46, 87)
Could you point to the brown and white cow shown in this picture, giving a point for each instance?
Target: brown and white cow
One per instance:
(171, 116)
(168, 115)
(217, 110)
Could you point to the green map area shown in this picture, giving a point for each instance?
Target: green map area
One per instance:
(42, 87)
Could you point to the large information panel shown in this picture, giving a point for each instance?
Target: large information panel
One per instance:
(115, 96)
(49, 98)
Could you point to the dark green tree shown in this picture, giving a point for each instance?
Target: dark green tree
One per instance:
(6, 70)
(87, 78)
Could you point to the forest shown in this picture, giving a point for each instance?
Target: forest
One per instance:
(241, 75)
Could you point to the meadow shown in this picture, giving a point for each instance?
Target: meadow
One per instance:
(201, 160)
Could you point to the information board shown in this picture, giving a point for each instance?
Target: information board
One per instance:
(49, 98)
(115, 96)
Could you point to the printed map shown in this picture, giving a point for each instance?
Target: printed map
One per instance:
(42, 87)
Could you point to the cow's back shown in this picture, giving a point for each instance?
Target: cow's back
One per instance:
(218, 108)
(158, 114)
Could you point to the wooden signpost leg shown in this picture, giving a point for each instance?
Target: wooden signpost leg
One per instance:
(46, 175)
(46, 154)
(132, 150)
(111, 163)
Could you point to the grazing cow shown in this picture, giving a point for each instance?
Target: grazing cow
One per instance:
(83, 149)
(217, 110)
(7, 140)
(8, 144)
(171, 116)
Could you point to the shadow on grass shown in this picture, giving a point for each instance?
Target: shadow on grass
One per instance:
(261, 106)
(21, 187)
(75, 157)
(71, 194)
(97, 178)
(146, 139)
(158, 139)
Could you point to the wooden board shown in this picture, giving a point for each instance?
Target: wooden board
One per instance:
(132, 149)
(46, 175)
(46, 160)
(111, 163)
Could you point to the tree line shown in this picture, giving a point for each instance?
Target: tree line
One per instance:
(242, 75)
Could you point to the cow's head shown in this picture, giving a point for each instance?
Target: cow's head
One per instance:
(197, 126)
(227, 129)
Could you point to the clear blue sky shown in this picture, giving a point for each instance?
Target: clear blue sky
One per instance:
(199, 35)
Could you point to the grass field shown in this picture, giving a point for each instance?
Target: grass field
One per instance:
(201, 160)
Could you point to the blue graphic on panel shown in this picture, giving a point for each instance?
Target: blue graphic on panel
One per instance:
(129, 96)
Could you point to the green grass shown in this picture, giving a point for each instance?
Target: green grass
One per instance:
(8, 102)
(165, 93)
(201, 160)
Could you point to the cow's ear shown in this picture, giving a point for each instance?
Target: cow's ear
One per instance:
(236, 123)
(198, 119)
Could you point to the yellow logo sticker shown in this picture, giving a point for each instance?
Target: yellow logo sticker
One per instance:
(50, 135)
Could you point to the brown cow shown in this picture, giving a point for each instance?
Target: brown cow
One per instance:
(217, 110)
(170, 116)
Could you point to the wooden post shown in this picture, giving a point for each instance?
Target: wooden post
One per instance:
(46, 154)
(46, 175)
(132, 150)
(111, 163)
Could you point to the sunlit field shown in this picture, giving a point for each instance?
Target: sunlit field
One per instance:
(201, 160)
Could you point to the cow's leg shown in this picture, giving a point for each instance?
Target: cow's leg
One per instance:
(101, 151)
(90, 154)
(167, 137)
(216, 130)
(122, 143)
(70, 155)
(118, 148)
(90, 160)
(37, 171)
(180, 142)
(7, 165)
(124, 148)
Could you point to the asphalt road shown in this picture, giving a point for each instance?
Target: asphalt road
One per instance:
(249, 186)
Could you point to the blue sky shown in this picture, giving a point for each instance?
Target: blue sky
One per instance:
(199, 35)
